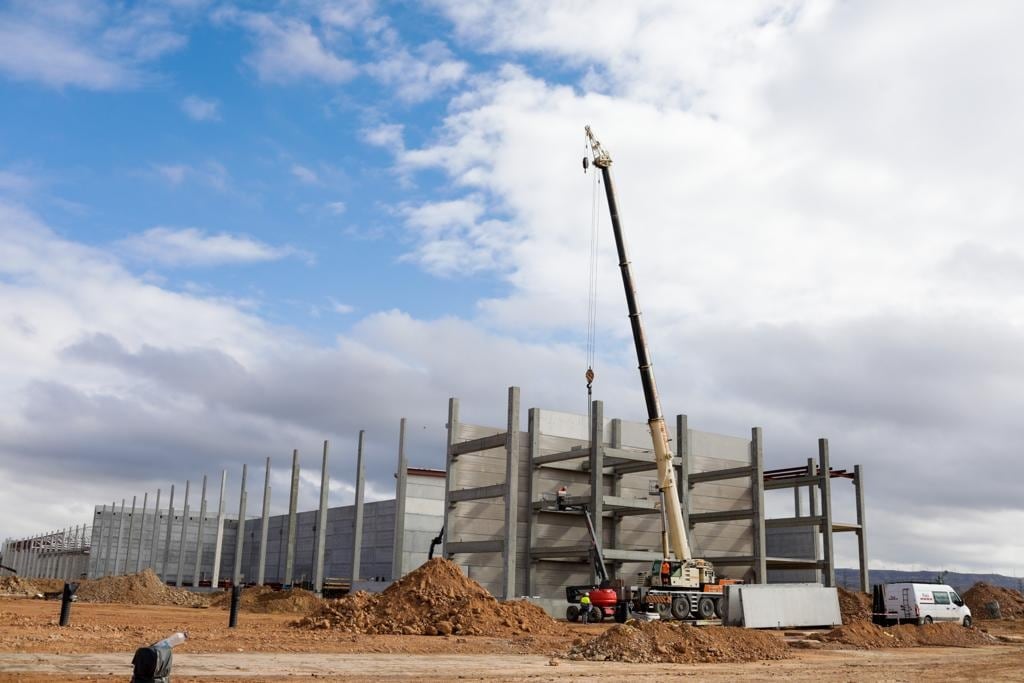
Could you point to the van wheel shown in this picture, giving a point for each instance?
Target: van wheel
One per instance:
(928, 619)
(967, 621)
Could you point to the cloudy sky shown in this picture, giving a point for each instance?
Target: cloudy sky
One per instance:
(227, 231)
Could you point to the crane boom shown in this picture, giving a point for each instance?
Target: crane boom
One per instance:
(676, 530)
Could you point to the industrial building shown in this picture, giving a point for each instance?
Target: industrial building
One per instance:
(524, 548)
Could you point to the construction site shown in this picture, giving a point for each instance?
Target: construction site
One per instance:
(554, 545)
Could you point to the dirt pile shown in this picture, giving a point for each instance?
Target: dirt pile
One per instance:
(863, 635)
(16, 585)
(266, 600)
(981, 595)
(679, 643)
(854, 606)
(144, 588)
(436, 599)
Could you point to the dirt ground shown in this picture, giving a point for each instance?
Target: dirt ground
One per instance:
(266, 647)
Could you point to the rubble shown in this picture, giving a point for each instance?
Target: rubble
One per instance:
(266, 600)
(981, 595)
(854, 606)
(679, 643)
(16, 585)
(863, 635)
(144, 588)
(435, 599)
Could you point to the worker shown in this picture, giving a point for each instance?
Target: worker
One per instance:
(561, 498)
(585, 608)
(666, 573)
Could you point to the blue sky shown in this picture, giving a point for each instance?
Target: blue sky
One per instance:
(230, 230)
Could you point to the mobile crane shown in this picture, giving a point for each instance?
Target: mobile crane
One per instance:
(681, 587)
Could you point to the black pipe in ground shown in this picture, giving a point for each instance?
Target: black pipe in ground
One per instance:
(236, 597)
(65, 603)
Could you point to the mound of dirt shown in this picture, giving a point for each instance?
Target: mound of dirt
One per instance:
(266, 600)
(436, 599)
(679, 643)
(144, 588)
(981, 595)
(16, 585)
(863, 635)
(854, 606)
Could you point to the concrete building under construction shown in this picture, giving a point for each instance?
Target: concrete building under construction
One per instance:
(493, 500)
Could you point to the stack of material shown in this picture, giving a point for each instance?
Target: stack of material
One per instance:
(436, 599)
(266, 600)
(679, 643)
(144, 588)
(981, 596)
(863, 635)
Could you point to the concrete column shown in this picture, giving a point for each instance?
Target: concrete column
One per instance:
(167, 539)
(797, 502)
(236, 575)
(597, 474)
(218, 544)
(510, 547)
(289, 561)
(108, 560)
(401, 480)
(533, 434)
(151, 561)
(683, 476)
(131, 532)
(321, 526)
(757, 504)
(142, 532)
(862, 532)
(197, 570)
(615, 439)
(812, 470)
(825, 484)
(449, 479)
(117, 543)
(262, 570)
(357, 522)
(184, 533)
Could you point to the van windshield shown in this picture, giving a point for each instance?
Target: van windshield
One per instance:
(957, 600)
(941, 597)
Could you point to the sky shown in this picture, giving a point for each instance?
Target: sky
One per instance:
(231, 230)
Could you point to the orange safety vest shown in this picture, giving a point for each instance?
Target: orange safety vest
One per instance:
(666, 568)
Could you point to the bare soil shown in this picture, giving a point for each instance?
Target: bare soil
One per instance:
(868, 636)
(266, 600)
(854, 606)
(678, 643)
(981, 594)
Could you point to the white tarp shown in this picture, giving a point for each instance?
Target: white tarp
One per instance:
(782, 605)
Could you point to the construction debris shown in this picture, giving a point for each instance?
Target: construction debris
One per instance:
(854, 606)
(863, 635)
(144, 588)
(679, 643)
(994, 602)
(266, 600)
(16, 585)
(436, 599)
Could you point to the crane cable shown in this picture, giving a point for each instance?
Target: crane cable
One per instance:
(595, 217)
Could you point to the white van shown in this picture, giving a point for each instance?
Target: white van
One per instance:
(924, 603)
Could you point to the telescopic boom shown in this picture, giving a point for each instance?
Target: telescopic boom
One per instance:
(659, 433)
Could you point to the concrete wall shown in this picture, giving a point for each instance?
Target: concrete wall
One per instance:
(797, 543)
(424, 516)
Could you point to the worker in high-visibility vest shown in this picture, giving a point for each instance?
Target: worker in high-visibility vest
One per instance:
(666, 573)
(585, 608)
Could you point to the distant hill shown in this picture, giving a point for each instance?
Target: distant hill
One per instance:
(850, 578)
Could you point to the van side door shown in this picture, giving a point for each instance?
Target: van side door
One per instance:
(944, 607)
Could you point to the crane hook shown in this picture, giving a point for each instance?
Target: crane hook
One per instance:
(586, 164)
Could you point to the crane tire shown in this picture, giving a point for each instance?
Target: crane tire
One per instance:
(681, 607)
(705, 608)
(720, 609)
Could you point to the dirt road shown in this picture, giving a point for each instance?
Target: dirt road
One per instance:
(100, 642)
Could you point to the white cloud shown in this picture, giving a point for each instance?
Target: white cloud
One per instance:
(287, 49)
(340, 308)
(386, 135)
(211, 174)
(418, 76)
(13, 182)
(306, 175)
(336, 208)
(91, 46)
(193, 247)
(199, 109)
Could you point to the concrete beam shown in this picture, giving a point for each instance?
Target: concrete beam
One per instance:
(236, 575)
(862, 532)
(401, 481)
(218, 543)
(720, 475)
(478, 493)
(484, 443)
(357, 520)
(181, 543)
(795, 522)
(775, 484)
(461, 547)
(198, 567)
(721, 516)
(511, 494)
(825, 484)
(289, 561)
(321, 526)
(261, 571)
(573, 454)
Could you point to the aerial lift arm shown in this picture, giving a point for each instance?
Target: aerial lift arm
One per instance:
(676, 530)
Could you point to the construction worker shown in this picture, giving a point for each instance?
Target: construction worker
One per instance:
(585, 608)
(666, 573)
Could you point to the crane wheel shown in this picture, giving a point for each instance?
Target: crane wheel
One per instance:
(720, 609)
(705, 608)
(664, 610)
(681, 608)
